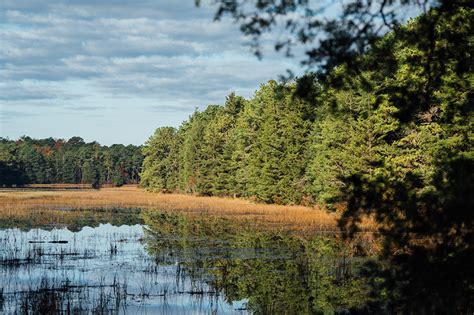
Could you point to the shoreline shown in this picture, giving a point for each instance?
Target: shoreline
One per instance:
(18, 203)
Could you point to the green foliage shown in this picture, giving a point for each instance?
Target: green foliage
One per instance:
(421, 192)
(349, 139)
(218, 179)
(407, 107)
(392, 140)
(45, 161)
(275, 273)
(277, 158)
(254, 148)
(10, 168)
(160, 162)
(194, 153)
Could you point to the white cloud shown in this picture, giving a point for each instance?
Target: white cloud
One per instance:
(68, 53)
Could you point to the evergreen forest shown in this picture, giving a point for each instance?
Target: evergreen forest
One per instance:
(50, 161)
(400, 116)
(385, 135)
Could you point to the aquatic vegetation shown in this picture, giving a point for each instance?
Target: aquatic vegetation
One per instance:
(71, 218)
(275, 272)
(174, 263)
(97, 270)
(22, 206)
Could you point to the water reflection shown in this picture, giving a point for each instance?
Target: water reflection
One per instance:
(103, 270)
(73, 219)
(162, 263)
(274, 273)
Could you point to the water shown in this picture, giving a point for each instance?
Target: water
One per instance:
(168, 264)
(101, 267)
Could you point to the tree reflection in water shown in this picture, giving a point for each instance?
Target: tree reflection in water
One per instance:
(274, 273)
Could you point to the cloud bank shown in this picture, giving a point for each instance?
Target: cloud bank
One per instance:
(164, 58)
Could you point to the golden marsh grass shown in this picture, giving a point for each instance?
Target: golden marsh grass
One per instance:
(17, 204)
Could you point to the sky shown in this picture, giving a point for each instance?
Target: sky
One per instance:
(114, 71)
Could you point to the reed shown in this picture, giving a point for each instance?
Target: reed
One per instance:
(16, 204)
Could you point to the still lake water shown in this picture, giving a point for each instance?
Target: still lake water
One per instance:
(167, 264)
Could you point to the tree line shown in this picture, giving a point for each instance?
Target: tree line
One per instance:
(45, 161)
(398, 116)
(388, 135)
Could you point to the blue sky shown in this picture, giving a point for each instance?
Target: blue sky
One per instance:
(114, 71)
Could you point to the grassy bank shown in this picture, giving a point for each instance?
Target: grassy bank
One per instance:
(17, 204)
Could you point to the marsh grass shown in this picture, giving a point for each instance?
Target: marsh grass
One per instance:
(28, 204)
(187, 251)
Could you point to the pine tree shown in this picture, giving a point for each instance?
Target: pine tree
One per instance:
(160, 169)
(277, 158)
